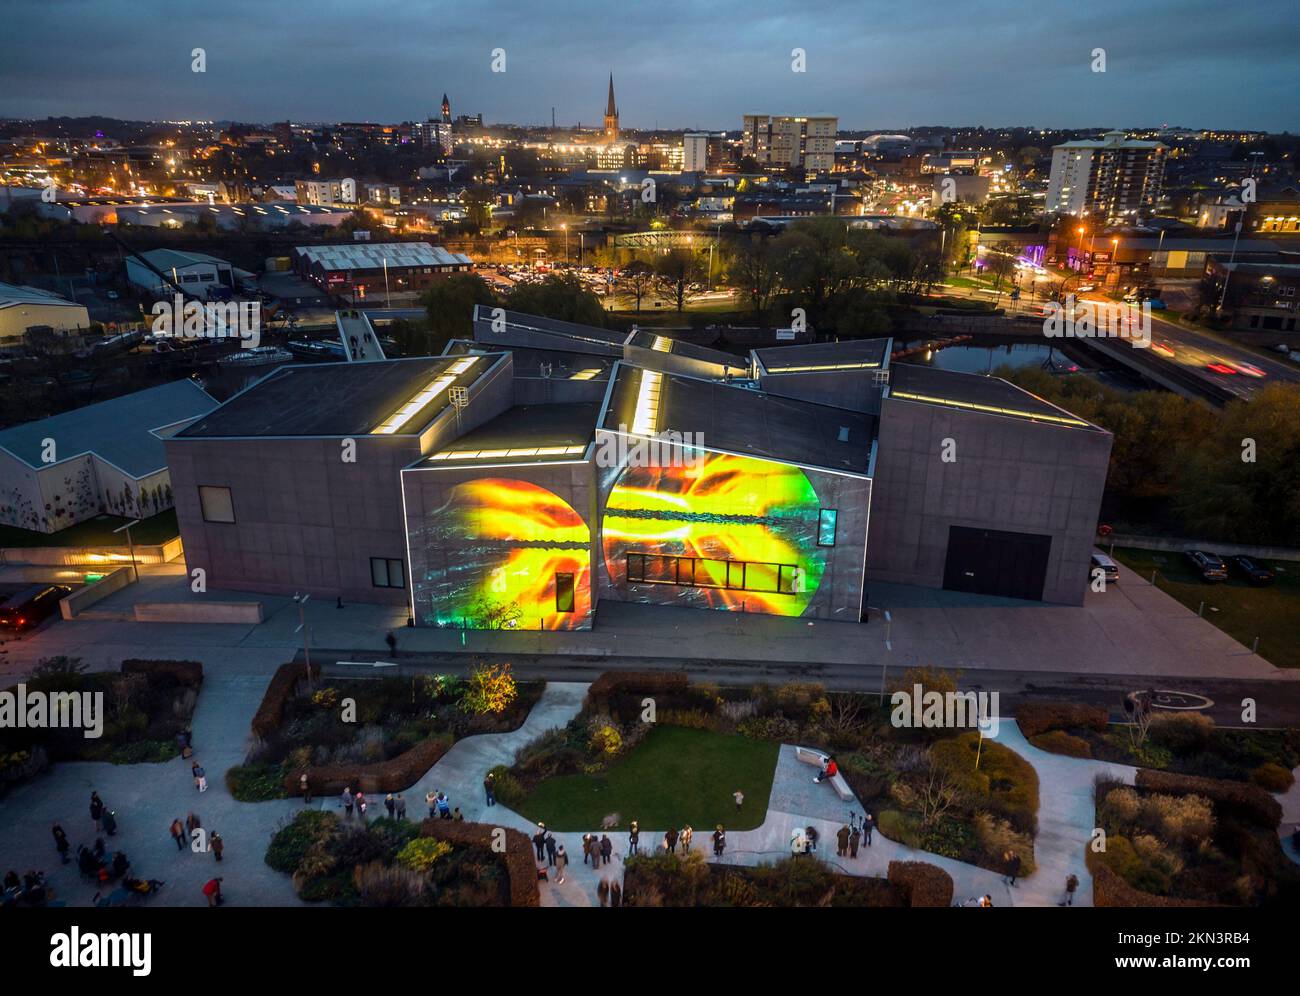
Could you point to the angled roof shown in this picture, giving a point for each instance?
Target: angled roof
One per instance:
(976, 393)
(546, 331)
(523, 434)
(557, 364)
(737, 419)
(15, 294)
(372, 256)
(676, 347)
(118, 431)
(344, 399)
(855, 354)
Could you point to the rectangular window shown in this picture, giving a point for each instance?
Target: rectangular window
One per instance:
(216, 504)
(564, 593)
(636, 566)
(826, 527)
(387, 573)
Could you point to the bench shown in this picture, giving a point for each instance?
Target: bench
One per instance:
(809, 756)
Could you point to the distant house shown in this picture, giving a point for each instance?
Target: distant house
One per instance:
(103, 458)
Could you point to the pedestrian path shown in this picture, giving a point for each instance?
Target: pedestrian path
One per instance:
(1290, 800)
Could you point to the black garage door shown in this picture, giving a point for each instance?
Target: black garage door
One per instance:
(992, 562)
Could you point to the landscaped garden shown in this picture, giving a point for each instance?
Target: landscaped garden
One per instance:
(1184, 742)
(387, 863)
(371, 734)
(97, 532)
(1188, 840)
(145, 706)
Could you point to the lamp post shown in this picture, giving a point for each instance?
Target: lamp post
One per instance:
(302, 628)
(1232, 260)
(565, 228)
(135, 573)
(388, 298)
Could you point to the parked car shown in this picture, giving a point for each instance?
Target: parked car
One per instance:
(1252, 570)
(1209, 566)
(1108, 567)
(33, 605)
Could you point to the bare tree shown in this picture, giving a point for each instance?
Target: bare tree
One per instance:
(937, 792)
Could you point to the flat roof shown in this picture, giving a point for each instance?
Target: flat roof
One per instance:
(855, 354)
(383, 397)
(529, 361)
(666, 344)
(551, 326)
(523, 434)
(977, 393)
(738, 419)
(117, 431)
(372, 256)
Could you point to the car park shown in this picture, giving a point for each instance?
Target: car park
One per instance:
(31, 606)
(1209, 566)
(1251, 570)
(1108, 567)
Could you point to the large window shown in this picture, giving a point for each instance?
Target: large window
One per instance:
(563, 592)
(700, 572)
(826, 527)
(216, 504)
(387, 573)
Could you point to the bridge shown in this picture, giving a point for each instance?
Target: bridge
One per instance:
(665, 240)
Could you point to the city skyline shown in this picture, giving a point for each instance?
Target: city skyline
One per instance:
(877, 68)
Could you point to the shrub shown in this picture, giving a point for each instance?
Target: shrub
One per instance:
(1250, 802)
(605, 740)
(256, 782)
(387, 886)
(509, 791)
(289, 844)
(1185, 819)
(1272, 777)
(1004, 781)
(281, 688)
(1035, 718)
(392, 775)
(1110, 889)
(921, 884)
(489, 690)
(769, 728)
(1181, 732)
(650, 683)
(422, 853)
(997, 837)
(144, 752)
(189, 673)
(901, 827)
(518, 855)
(1060, 742)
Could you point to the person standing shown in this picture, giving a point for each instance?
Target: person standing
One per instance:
(868, 825)
(561, 862)
(178, 833)
(212, 892)
(586, 847)
(96, 809)
(489, 789)
(739, 796)
(1013, 868)
(719, 841)
(602, 891)
(305, 789)
(431, 800)
(633, 838)
(361, 806)
(1071, 886)
(401, 807)
(811, 835)
(218, 845)
(606, 848)
(855, 838)
(550, 848)
(347, 801)
(687, 834)
(192, 823)
(444, 806)
(60, 842)
(615, 894)
(200, 778)
(670, 840)
(539, 841)
(390, 804)
(842, 841)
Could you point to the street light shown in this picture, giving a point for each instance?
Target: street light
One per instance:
(135, 573)
(387, 297)
(1232, 261)
(302, 628)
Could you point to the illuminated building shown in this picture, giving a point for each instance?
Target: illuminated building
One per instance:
(1114, 178)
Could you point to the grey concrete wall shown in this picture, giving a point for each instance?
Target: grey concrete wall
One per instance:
(559, 391)
(674, 363)
(464, 552)
(1009, 474)
(304, 519)
(855, 390)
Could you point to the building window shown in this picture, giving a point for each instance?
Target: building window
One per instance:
(216, 504)
(701, 572)
(826, 527)
(387, 573)
(564, 593)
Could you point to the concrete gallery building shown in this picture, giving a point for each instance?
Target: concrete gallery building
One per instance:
(529, 473)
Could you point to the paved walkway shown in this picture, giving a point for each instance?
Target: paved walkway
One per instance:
(1290, 800)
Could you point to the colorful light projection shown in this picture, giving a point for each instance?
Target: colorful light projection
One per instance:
(698, 522)
(509, 544)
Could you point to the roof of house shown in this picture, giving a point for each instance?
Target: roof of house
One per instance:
(975, 393)
(738, 419)
(373, 256)
(855, 354)
(384, 397)
(118, 431)
(523, 434)
(15, 294)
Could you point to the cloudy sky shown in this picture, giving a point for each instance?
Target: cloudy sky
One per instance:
(676, 63)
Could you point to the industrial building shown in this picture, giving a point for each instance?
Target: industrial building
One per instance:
(362, 269)
(522, 477)
(22, 308)
(103, 458)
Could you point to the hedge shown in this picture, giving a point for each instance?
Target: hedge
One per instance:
(282, 687)
(1245, 800)
(188, 673)
(521, 870)
(1110, 889)
(1034, 718)
(393, 775)
(1060, 742)
(611, 683)
(921, 884)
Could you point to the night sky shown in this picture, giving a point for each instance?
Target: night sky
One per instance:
(677, 63)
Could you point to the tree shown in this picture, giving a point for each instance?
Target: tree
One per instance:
(478, 206)
(490, 689)
(1001, 265)
(637, 277)
(675, 272)
(754, 271)
(450, 306)
(560, 296)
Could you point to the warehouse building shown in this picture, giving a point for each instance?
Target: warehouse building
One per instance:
(508, 485)
(22, 308)
(365, 269)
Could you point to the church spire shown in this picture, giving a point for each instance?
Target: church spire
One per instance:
(611, 114)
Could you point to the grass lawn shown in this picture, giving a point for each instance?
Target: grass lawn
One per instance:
(673, 777)
(1241, 611)
(97, 532)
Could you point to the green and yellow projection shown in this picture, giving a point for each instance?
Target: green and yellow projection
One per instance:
(514, 543)
(724, 508)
